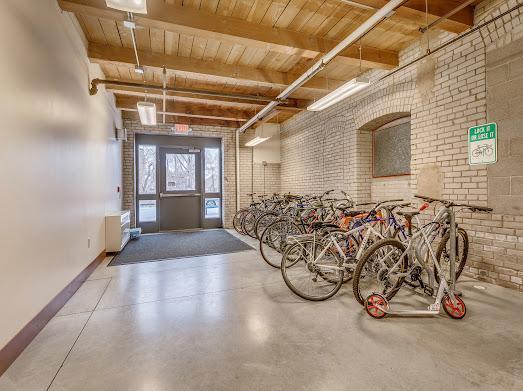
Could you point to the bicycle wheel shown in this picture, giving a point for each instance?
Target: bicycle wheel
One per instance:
(237, 220)
(443, 254)
(274, 239)
(263, 222)
(311, 270)
(249, 222)
(372, 271)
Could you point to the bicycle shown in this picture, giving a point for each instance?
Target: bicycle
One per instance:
(314, 266)
(298, 218)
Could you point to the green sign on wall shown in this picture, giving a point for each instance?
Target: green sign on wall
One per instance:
(483, 144)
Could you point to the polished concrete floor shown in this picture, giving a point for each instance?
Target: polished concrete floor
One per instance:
(228, 322)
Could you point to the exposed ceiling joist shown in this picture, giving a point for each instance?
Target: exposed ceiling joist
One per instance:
(414, 10)
(192, 66)
(133, 114)
(292, 106)
(189, 21)
(184, 109)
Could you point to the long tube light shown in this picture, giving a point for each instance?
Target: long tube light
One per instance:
(340, 93)
(358, 5)
(136, 6)
(363, 29)
(147, 113)
(256, 140)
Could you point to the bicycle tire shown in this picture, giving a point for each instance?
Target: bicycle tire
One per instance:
(237, 220)
(366, 257)
(334, 286)
(462, 258)
(263, 221)
(265, 240)
(248, 222)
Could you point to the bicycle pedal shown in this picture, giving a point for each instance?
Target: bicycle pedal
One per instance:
(428, 291)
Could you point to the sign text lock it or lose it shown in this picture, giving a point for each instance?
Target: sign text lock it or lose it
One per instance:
(483, 144)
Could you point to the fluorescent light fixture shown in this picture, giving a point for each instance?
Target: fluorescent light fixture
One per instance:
(340, 93)
(129, 24)
(256, 140)
(136, 6)
(147, 113)
(359, 5)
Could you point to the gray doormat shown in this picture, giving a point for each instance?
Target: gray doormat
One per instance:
(162, 246)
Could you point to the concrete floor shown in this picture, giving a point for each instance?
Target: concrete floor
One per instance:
(228, 322)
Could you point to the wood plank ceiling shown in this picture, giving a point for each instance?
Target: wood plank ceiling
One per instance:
(254, 47)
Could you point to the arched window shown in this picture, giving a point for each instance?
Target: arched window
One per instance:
(391, 149)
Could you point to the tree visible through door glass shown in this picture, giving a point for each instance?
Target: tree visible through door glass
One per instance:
(212, 170)
(146, 169)
(180, 172)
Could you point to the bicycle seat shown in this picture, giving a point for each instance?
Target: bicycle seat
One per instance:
(354, 213)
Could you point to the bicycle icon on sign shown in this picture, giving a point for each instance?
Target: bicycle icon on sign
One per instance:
(483, 150)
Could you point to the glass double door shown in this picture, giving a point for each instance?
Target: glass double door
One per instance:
(178, 186)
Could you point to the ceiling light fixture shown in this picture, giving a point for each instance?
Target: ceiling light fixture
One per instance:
(139, 69)
(136, 6)
(255, 141)
(340, 93)
(359, 5)
(129, 24)
(147, 113)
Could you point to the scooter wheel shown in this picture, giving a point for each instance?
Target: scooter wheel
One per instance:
(376, 306)
(457, 311)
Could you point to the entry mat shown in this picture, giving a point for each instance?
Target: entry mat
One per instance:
(168, 245)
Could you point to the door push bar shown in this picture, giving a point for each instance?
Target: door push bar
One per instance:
(164, 195)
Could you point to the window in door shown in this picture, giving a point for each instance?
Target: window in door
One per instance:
(180, 172)
(147, 169)
(212, 170)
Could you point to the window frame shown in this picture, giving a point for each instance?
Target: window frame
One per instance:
(396, 122)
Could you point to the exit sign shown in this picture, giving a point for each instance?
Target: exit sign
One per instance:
(483, 144)
(181, 129)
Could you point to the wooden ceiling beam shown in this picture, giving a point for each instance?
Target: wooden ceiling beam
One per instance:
(176, 119)
(191, 66)
(292, 106)
(184, 109)
(185, 20)
(414, 11)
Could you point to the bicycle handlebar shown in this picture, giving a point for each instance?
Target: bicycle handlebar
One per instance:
(384, 202)
(449, 204)
(326, 193)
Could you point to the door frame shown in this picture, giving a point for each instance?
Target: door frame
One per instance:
(182, 142)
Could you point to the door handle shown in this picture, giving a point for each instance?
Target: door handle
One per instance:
(169, 195)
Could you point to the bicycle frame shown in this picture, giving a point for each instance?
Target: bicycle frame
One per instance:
(333, 242)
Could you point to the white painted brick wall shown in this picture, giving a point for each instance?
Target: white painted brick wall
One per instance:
(326, 149)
